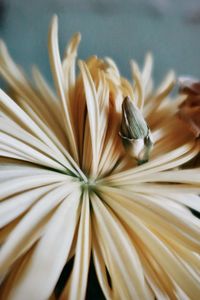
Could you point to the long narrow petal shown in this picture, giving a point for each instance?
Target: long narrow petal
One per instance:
(166, 161)
(18, 204)
(59, 82)
(138, 86)
(32, 155)
(29, 182)
(100, 268)
(125, 263)
(38, 277)
(24, 120)
(164, 256)
(79, 274)
(31, 226)
(162, 92)
(93, 113)
(187, 234)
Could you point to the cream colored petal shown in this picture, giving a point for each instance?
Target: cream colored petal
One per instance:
(29, 182)
(65, 158)
(110, 158)
(160, 223)
(13, 207)
(79, 275)
(189, 151)
(57, 73)
(38, 277)
(171, 135)
(93, 114)
(171, 212)
(32, 225)
(12, 153)
(47, 127)
(161, 189)
(188, 283)
(103, 100)
(69, 61)
(51, 101)
(87, 153)
(31, 154)
(163, 162)
(9, 279)
(6, 230)
(182, 176)
(79, 114)
(7, 61)
(113, 65)
(146, 74)
(23, 119)
(192, 259)
(13, 170)
(190, 200)
(113, 148)
(17, 80)
(138, 89)
(170, 127)
(22, 88)
(73, 44)
(126, 267)
(127, 88)
(160, 95)
(161, 284)
(15, 136)
(100, 268)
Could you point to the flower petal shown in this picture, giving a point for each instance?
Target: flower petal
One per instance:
(38, 277)
(124, 261)
(188, 283)
(31, 227)
(79, 274)
(59, 82)
(93, 114)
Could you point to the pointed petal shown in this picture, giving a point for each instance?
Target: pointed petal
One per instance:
(59, 82)
(38, 277)
(31, 226)
(79, 274)
(93, 113)
(125, 264)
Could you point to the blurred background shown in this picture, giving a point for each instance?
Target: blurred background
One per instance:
(126, 29)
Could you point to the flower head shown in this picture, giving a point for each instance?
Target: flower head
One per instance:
(69, 189)
(189, 111)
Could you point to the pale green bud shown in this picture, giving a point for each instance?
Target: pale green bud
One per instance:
(133, 125)
(134, 132)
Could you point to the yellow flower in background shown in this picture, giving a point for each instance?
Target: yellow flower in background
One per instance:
(68, 187)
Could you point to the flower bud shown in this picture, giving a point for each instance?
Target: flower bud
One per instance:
(134, 132)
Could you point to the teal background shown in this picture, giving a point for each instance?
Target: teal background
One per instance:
(119, 29)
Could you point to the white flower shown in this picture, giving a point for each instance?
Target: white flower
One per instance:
(69, 189)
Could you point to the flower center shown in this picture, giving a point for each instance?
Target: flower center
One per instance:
(89, 185)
